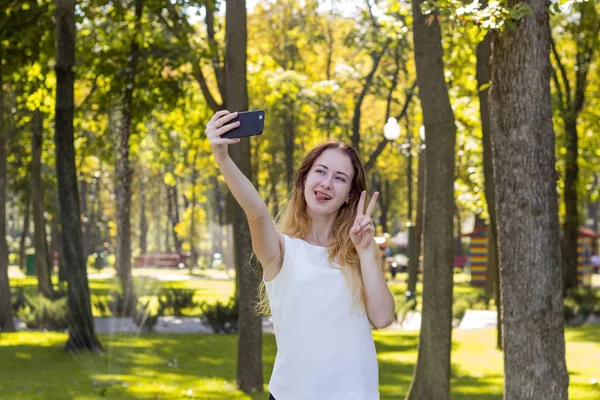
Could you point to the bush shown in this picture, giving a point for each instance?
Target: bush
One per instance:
(459, 308)
(174, 301)
(144, 318)
(43, 313)
(579, 304)
(221, 317)
(102, 307)
(17, 299)
(118, 304)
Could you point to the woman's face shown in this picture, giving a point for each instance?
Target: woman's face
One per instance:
(328, 182)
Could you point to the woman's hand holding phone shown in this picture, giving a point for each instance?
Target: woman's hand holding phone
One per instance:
(217, 126)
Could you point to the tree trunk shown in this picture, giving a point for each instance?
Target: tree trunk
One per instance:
(125, 172)
(484, 75)
(193, 262)
(527, 209)
(249, 365)
(173, 194)
(431, 380)
(6, 319)
(571, 227)
(143, 220)
(81, 323)
(418, 232)
(289, 137)
(37, 196)
(24, 233)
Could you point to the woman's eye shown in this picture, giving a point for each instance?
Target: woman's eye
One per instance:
(319, 171)
(340, 179)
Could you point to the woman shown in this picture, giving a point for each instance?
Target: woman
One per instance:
(322, 271)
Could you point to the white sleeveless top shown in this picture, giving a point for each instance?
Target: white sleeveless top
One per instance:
(325, 348)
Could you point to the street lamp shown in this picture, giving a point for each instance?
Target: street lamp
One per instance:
(391, 130)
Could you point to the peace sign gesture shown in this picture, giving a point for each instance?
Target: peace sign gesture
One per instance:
(363, 230)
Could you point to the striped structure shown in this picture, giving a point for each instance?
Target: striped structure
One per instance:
(584, 266)
(478, 250)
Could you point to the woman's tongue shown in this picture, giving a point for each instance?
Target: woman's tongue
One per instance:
(320, 197)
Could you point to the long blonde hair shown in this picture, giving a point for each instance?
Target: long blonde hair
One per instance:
(294, 221)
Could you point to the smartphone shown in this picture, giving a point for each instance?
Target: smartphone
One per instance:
(252, 123)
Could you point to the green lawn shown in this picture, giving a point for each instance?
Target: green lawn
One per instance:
(34, 366)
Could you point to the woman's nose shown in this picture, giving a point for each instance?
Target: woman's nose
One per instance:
(326, 182)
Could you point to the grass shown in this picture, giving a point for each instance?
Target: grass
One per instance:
(34, 366)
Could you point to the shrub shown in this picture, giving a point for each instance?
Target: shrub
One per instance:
(43, 313)
(17, 299)
(459, 308)
(579, 304)
(221, 317)
(118, 304)
(145, 318)
(174, 301)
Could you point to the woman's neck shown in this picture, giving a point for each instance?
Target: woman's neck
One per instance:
(320, 231)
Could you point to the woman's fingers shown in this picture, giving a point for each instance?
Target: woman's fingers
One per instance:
(227, 128)
(224, 141)
(225, 119)
(215, 117)
(372, 204)
(361, 204)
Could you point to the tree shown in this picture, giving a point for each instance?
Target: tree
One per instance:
(249, 366)
(42, 267)
(81, 323)
(6, 319)
(483, 75)
(527, 214)
(431, 380)
(585, 32)
(125, 172)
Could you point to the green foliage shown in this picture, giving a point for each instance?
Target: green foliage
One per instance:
(174, 301)
(221, 317)
(18, 299)
(495, 16)
(45, 314)
(579, 304)
(145, 317)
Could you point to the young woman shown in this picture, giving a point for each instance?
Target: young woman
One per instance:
(322, 271)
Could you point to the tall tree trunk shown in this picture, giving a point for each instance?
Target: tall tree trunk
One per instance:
(193, 248)
(527, 209)
(143, 220)
(6, 319)
(249, 365)
(125, 172)
(81, 323)
(586, 37)
(173, 194)
(418, 232)
(431, 380)
(37, 196)
(84, 188)
(289, 137)
(571, 227)
(484, 75)
(24, 233)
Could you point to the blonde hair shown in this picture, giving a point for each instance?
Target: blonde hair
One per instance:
(295, 222)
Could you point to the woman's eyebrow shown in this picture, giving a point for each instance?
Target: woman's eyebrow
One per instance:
(337, 172)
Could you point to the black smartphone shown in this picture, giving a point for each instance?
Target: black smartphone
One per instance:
(252, 123)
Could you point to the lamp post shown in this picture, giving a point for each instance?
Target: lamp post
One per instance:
(391, 132)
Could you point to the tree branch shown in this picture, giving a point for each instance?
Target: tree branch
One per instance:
(563, 72)
(381, 146)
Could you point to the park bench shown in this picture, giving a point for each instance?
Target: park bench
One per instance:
(159, 260)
